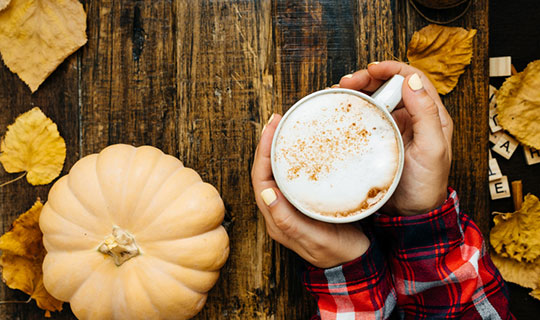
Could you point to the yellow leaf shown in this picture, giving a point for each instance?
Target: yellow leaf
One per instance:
(442, 53)
(517, 235)
(4, 4)
(37, 35)
(22, 258)
(524, 274)
(33, 144)
(518, 105)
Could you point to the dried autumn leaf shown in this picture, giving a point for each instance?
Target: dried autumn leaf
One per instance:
(33, 144)
(524, 274)
(517, 235)
(4, 4)
(442, 53)
(22, 258)
(518, 105)
(36, 36)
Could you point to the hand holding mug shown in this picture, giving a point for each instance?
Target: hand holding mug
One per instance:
(322, 244)
(426, 129)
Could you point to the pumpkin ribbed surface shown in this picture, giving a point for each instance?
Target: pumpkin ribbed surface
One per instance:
(131, 233)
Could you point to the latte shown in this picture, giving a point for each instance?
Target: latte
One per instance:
(336, 154)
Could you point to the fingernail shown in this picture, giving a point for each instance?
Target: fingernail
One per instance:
(269, 196)
(335, 86)
(264, 128)
(347, 76)
(415, 83)
(271, 118)
(373, 63)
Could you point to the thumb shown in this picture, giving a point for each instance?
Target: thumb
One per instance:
(426, 123)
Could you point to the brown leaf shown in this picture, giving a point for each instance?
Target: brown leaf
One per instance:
(36, 36)
(22, 258)
(518, 105)
(4, 4)
(442, 53)
(517, 235)
(516, 240)
(524, 274)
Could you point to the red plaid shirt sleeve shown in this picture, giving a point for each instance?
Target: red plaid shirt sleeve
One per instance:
(439, 269)
(360, 289)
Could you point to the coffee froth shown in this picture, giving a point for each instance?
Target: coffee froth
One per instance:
(336, 155)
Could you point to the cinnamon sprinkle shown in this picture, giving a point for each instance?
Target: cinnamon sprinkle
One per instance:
(314, 155)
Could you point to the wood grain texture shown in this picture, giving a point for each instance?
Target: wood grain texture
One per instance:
(224, 96)
(315, 47)
(199, 79)
(128, 76)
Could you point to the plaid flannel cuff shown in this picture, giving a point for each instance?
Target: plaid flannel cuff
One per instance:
(359, 273)
(439, 228)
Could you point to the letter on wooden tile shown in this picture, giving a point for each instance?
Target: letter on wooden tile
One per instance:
(493, 124)
(532, 156)
(499, 189)
(505, 146)
(494, 170)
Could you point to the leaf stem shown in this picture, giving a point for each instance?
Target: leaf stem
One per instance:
(14, 301)
(13, 180)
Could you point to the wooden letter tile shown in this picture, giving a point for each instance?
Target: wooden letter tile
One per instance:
(494, 136)
(499, 189)
(493, 124)
(505, 146)
(494, 170)
(532, 156)
(500, 66)
(492, 92)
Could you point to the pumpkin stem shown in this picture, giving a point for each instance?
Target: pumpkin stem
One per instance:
(120, 245)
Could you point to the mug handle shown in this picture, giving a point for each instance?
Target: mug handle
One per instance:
(389, 94)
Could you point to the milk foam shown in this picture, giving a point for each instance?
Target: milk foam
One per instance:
(332, 151)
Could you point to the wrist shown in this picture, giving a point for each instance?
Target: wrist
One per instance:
(345, 252)
(414, 203)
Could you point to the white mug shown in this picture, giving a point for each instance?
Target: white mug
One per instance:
(386, 98)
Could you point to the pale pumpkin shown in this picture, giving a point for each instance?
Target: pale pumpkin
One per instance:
(131, 233)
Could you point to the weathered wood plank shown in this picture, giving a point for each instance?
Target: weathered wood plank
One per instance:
(315, 46)
(58, 98)
(128, 76)
(389, 26)
(468, 106)
(225, 86)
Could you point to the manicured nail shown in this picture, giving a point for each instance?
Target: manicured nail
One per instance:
(373, 63)
(415, 83)
(347, 76)
(335, 86)
(264, 128)
(271, 118)
(269, 196)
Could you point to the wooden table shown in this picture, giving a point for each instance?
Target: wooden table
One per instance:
(199, 79)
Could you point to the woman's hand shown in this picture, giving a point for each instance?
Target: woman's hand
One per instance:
(324, 245)
(426, 128)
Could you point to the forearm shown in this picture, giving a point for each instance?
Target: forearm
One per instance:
(441, 267)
